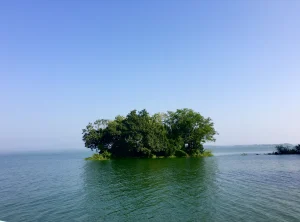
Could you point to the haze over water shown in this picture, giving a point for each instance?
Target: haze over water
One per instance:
(65, 187)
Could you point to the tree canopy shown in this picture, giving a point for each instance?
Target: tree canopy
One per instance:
(287, 149)
(139, 134)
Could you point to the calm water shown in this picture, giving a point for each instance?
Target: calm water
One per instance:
(64, 187)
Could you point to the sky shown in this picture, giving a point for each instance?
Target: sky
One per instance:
(66, 63)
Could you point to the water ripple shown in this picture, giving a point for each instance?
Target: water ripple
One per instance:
(222, 188)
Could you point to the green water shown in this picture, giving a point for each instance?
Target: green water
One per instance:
(64, 187)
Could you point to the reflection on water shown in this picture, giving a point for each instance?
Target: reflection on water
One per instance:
(227, 188)
(220, 188)
(164, 189)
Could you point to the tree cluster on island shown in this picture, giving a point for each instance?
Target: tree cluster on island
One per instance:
(287, 149)
(181, 133)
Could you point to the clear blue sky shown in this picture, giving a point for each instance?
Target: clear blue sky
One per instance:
(65, 63)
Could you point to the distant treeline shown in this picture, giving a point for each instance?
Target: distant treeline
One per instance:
(179, 133)
(287, 149)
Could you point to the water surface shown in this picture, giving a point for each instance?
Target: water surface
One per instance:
(64, 187)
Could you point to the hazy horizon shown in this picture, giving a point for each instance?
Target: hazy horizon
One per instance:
(65, 64)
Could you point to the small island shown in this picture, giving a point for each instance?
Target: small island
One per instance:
(287, 149)
(173, 134)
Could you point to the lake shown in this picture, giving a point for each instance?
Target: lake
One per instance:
(226, 187)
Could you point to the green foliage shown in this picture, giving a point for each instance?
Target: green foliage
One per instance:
(145, 152)
(142, 135)
(93, 134)
(105, 154)
(191, 128)
(207, 153)
(286, 149)
(180, 153)
(97, 156)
